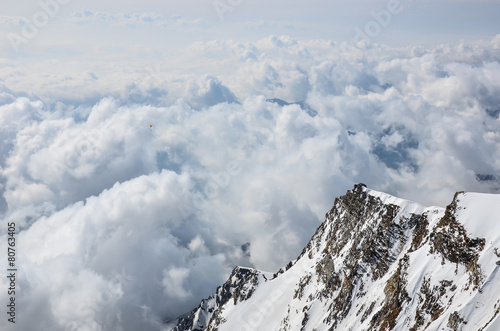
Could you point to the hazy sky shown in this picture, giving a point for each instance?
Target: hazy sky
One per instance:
(70, 38)
(176, 23)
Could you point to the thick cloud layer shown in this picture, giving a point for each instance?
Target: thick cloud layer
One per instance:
(133, 208)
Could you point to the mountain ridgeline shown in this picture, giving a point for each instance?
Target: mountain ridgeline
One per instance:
(376, 263)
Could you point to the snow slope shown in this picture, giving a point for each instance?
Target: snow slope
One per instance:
(377, 263)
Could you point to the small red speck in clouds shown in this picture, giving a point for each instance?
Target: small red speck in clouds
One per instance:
(150, 125)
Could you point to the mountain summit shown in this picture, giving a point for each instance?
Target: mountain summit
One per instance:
(377, 262)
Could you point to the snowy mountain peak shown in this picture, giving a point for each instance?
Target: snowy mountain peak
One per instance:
(376, 263)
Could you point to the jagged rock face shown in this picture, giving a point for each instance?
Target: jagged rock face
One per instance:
(450, 239)
(376, 263)
(239, 287)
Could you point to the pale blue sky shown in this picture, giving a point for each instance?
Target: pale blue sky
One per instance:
(76, 40)
(183, 22)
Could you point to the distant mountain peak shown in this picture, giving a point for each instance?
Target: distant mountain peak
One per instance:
(302, 104)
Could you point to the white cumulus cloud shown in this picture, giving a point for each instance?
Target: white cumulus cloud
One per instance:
(136, 193)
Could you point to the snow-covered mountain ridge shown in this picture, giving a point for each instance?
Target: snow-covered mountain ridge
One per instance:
(376, 263)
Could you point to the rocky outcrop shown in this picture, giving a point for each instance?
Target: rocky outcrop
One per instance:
(449, 238)
(239, 287)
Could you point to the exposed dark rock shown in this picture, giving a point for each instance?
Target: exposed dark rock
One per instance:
(449, 238)
(455, 321)
(421, 232)
(305, 319)
(395, 298)
(216, 320)
(368, 312)
(304, 281)
(236, 288)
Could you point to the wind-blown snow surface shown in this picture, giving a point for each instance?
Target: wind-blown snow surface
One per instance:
(157, 217)
(421, 289)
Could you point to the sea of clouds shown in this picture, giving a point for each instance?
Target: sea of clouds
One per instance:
(135, 192)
